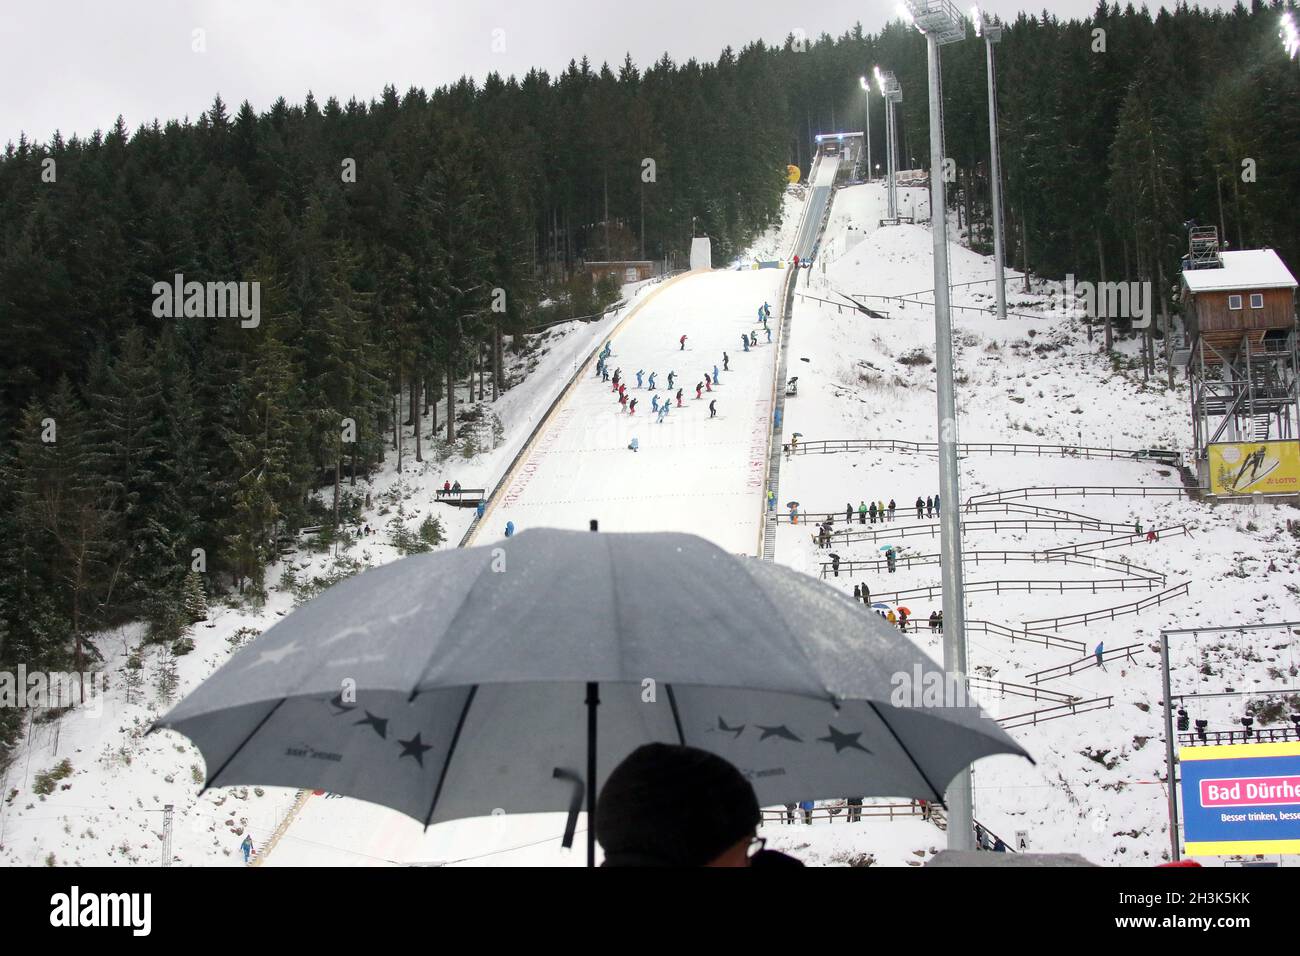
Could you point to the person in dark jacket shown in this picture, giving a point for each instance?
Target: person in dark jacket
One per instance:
(670, 805)
(835, 564)
(920, 507)
(713, 408)
(929, 507)
(726, 363)
(892, 507)
(848, 512)
(857, 593)
(679, 398)
(871, 512)
(862, 512)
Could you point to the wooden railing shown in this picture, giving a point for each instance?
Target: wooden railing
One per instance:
(1110, 613)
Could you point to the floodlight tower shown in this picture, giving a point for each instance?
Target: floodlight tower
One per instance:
(992, 33)
(892, 93)
(940, 22)
(866, 91)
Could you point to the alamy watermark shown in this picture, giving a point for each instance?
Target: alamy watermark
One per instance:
(46, 689)
(208, 300)
(1114, 300)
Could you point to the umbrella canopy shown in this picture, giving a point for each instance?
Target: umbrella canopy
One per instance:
(451, 684)
(792, 504)
(905, 610)
(886, 547)
(882, 606)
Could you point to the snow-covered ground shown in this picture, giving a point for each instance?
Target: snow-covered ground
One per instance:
(1095, 788)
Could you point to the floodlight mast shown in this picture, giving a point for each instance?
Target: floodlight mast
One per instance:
(892, 94)
(992, 33)
(866, 89)
(940, 22)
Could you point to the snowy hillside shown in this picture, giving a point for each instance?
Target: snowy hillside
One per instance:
(108, 783)
(1096, 787)
(1032, 379)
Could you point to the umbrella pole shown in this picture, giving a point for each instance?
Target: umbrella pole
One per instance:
(593, 701)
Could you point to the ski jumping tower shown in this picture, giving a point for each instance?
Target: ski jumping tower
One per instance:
(1239, 310)
(892, 93)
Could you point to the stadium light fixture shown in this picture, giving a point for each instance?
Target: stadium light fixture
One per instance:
(1290, 35)
(991, 34)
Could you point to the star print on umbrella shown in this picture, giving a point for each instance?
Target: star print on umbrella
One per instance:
(781, 731)
(843, 741)
(735, 731)
(414, 748)
(379, 723)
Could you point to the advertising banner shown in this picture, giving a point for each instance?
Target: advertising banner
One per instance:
(1241, 798)
(1243, 468)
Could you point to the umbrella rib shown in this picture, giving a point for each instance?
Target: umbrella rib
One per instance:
(451, 750)
(242, 744)
(677, 717)
(924, 776)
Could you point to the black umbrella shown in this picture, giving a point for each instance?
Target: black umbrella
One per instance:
(517, 675)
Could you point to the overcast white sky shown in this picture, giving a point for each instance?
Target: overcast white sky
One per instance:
(75, 65)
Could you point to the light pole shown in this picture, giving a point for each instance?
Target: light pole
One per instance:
(866, 89)
(892, 93)
(939, 21)
(992, 33)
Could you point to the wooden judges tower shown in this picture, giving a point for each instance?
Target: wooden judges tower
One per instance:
(1239, 311)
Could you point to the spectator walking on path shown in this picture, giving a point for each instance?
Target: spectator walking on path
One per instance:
(892, 507)
(482, 507)
(247, 847)
(848, 512)
(936, 504)
(835, 564)
(866, 593)
(807, 807)
(794, 513)
(920, 507)
(771, 500)
(855, 810)
(929, 507)
(1099, 652)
